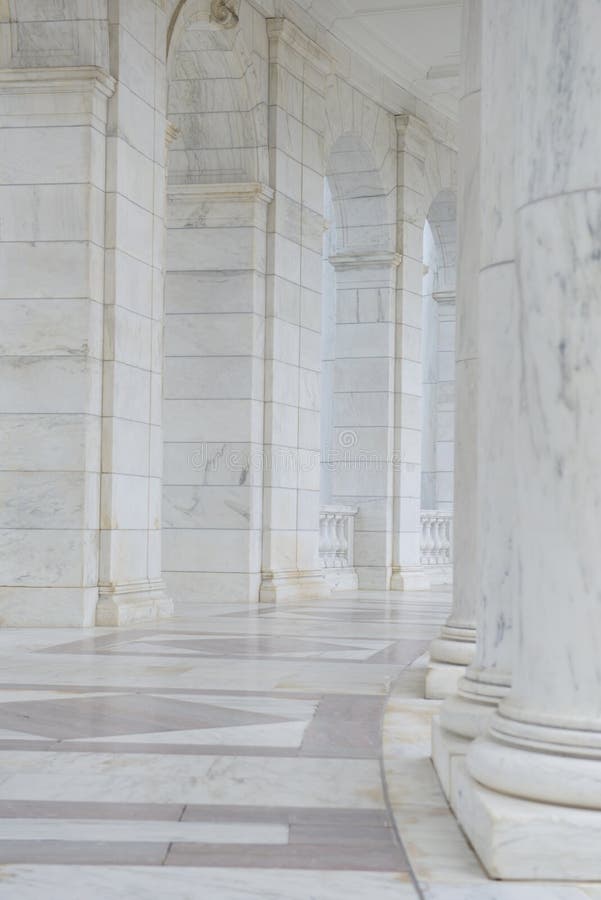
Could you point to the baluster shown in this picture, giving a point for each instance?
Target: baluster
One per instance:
(322, 539)
(332, 542)
(342, 551)
(440, 531)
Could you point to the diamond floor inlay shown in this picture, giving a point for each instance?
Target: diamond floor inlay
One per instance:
(230, 752)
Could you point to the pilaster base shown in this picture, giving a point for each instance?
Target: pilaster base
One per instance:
(341, 579)
(409, 578)
(524, 839)
(446, 747)
(130, 603)
(374, 578)
(293, 586)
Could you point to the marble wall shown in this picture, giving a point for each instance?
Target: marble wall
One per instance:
(261, 111)
(215, 306)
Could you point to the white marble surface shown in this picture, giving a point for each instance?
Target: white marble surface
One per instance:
(131, 883)
(148, 831)
(444, 863)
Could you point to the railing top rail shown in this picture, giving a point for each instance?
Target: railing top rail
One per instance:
(338, 509)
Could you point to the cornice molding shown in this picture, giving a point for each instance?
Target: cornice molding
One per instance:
(57, 79)
(283, 31)
(370, 260)
(413, 134)
(241, 192)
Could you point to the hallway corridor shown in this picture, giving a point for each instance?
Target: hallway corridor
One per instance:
(231, 753)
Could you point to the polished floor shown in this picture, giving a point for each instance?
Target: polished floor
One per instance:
(232, 754)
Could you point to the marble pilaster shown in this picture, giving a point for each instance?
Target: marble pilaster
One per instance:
(131, 586)
(529, 796)
(454, 649)
(363, 388)
(292, 443)
(52, 220)
(214, 383)
(407, 572)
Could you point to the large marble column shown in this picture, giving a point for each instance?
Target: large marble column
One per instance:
(465, 715)
(454, 649)
(529, 797)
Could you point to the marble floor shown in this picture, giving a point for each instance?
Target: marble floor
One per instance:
(233, 753)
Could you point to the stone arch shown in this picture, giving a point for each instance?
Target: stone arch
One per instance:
(442, 219)
(361, 170)
(217, 97)
(440, 173)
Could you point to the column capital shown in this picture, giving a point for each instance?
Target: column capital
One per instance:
(444, 297)
(282, 31)
(378, 259)
(413, 135)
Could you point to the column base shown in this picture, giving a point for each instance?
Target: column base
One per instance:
(525, 839)
(293, 586)
(466, 717)
(442, 680)
(409, 578)
(446, 747)
(129, 603)
(450, 655)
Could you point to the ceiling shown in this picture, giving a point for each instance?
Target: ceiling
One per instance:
(415, 42)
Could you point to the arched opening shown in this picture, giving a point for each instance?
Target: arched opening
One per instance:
(215, 306)
(438, 388)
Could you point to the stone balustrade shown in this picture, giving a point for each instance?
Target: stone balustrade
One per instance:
(436, 551)
(336, 546)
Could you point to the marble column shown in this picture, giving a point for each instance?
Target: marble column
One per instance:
(292, 443)
(363, 408)
(465, 715)
(454, 649)
(407, 572)
(529, 792)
